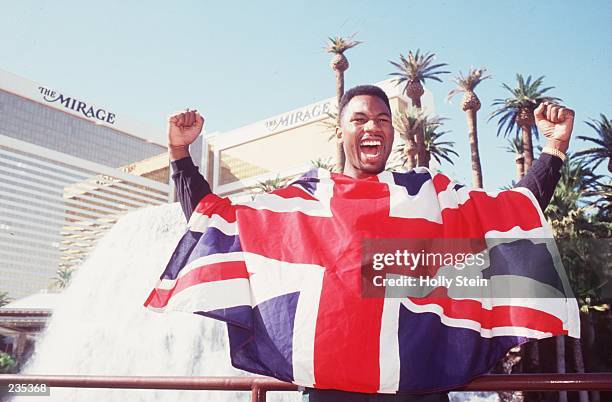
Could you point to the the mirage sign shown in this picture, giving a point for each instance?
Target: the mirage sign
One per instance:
(76, 105)
(299, 116)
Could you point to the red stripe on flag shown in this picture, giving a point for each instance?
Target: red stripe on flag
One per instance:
(296, 237)
(440, 182)
(343, 313)
(482, 208)
(212, 204)
(485, 210)
(293, 192)
(207, 273)
(291, 237)
(498, 316)
(356, 322)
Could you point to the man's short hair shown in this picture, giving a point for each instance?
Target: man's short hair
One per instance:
(371, 90)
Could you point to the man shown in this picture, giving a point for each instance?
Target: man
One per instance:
(365, 114)
(366, 132)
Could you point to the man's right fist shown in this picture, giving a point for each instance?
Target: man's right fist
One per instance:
(184, 128)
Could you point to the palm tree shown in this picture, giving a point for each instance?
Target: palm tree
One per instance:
(393, 165)
(7, 363)
(337, 46)
(331, 124)
(515, 146)
(407, 125)
(470, 104)
(575, 230)
(4, 299)
(63, 277)
(269, 185)
(603, 140)
(577, 181)
(413, 71)
(560, 362)
(516, 112)
(323, 164)
(603, 200)
(436, 148)
(414, 119)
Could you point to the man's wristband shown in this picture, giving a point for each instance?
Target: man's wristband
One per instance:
(555, 152)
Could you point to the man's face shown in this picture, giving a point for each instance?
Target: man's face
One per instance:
(366, 131)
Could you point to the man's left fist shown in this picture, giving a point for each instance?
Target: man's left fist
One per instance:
(556, 123)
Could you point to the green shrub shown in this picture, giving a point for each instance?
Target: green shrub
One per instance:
(7, 363)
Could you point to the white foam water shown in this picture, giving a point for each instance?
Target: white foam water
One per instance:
(101, 327)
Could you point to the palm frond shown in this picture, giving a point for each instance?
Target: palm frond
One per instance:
(528, 95)
(269, 185)
(577, 181)
(436, 148)
(594, 156)
(326, 164)
(418, 67)
(514, 146)
(4, 299)
(454, 92)
(469, 81)
(408, 122)
(339, 44)
(509, 186)
(413, 119)
(63, 277)
(331, 124)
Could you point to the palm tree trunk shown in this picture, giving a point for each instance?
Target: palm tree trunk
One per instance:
(560, 347)
(588, 338)
(410, 162)
(473, 133)
(579, 363)
(340, 156)
(339, 85)
(519, 161)
(508, 362)
(531, 364)
(527, 147)
(419, 138)
(410, 150)
(533, 356)
(427, 159)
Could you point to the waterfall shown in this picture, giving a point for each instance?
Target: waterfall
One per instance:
(101, 327)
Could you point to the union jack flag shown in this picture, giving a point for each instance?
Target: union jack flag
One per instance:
(284, 272)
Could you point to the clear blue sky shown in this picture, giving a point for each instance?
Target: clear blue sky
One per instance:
(239, 62)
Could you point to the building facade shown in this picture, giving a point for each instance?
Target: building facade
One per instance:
(68, 170)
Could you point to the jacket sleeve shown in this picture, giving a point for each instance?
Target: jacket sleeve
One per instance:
(190, 185)
(542, 178)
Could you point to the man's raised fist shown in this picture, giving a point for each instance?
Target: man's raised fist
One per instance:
(183, 128)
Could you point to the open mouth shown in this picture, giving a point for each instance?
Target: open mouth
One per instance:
(371, 150)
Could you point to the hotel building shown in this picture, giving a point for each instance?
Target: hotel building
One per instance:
(68, 169)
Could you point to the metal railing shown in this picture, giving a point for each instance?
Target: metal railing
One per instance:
(259, 386)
